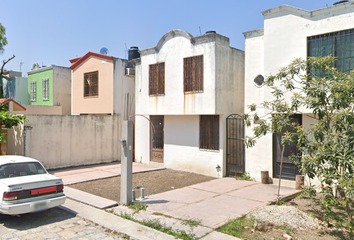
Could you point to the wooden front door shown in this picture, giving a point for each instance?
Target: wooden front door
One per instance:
(157, 139)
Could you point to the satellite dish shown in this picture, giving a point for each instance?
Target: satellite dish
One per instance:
(104, 51)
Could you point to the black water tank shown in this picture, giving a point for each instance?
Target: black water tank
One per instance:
(133, 53)
(210, 32)
(339, 2)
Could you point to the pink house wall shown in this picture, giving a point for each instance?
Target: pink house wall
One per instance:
(103, 103)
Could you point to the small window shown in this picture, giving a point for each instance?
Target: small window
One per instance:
(209, 132)
(45, 89)
(91, 84)
(157, 79)
(193, 74)
(259, 80)
(33, 91)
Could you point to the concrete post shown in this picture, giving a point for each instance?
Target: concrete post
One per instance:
(27, 141)
(126, 163)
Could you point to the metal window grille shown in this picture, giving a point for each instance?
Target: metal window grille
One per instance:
(158, 138)
(193, 74)
(45, 89)
(209, 132)
(33, 91)
(338, 44)
(157, 79)
(91, 84)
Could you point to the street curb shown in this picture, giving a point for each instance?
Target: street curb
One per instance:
(88, 198)
(113, 222)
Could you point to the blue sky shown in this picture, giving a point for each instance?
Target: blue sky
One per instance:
(52, 32)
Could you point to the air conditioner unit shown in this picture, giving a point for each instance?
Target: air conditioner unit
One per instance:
(130, 71)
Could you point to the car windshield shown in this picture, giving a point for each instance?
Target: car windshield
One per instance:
(21, 169)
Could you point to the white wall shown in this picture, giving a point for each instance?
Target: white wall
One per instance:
(175, 101)
(124, 90)
(283, 39)
(223, 77)
(181, 147)
(286, 31)
(222, 95)
(258, 158)
(63, 141)
(229, 77)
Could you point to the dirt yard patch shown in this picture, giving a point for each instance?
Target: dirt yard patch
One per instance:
(153, 182)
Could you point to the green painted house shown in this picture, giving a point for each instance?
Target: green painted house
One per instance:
(50, 86)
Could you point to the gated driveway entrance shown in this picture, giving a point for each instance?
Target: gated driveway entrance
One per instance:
(235, 148)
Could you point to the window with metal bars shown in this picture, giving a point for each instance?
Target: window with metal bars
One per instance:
(209, 132)
(33, 91)
(91, 84)
(338, 44)
(157, 79)
(193, 74)
(157, 134)
(45, 89)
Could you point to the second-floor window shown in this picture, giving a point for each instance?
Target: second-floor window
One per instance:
(91, 84)
(45, 89)
(157, 79)
(33, 91)
(193, 74)
(338, 44)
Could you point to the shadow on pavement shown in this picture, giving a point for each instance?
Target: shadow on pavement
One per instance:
(153, 201)
(33, 220)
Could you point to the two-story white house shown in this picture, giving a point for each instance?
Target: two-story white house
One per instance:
(186, 87)
(291, 33)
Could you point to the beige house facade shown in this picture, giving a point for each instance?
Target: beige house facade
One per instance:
(100, 86)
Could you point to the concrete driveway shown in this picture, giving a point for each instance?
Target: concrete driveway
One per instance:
(216, 201)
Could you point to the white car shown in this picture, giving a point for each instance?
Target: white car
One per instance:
(25, 186)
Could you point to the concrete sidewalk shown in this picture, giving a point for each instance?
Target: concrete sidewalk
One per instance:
(112, 222)
(211, 203)
(89, 173)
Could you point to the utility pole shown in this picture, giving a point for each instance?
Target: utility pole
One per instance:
(126, 188)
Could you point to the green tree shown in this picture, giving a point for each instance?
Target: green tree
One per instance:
(3, 39)
(6, 119)
(327, 146)
(3, 43)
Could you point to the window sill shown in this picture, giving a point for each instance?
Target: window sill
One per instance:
(91, 97)
(192, 92)
(209, 150)
(154, 95)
